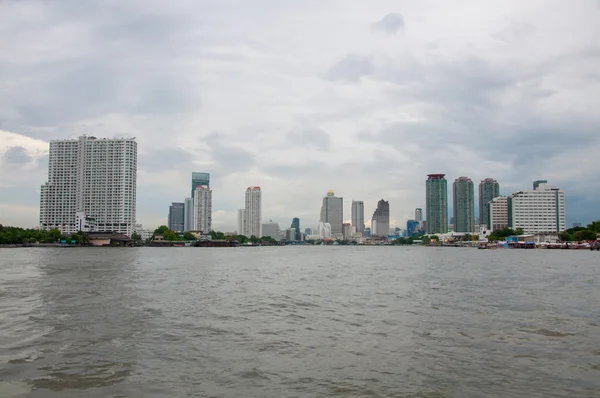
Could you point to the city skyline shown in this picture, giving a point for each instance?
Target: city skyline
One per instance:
(400, 90)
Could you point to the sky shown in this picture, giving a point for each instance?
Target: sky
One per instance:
(299, 97)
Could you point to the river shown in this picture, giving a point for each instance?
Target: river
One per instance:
(299, 322)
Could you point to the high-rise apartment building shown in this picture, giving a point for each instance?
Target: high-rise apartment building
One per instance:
(203, 209)
(539, 210)
(296, 226)
(332, 212)
(436, 198)
(252, 212)
(380, 223)
(488, 190)
(498, 213)
(358, 215)
(188, 206)
(464, 205)
(176, 217)
(200, 179)
(91, 185)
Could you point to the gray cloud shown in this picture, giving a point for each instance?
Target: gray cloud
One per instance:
(351, 68)
(390, 24)
(17, 155)
(311, 137)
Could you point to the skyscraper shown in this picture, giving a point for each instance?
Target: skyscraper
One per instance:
(332, 212)
(176, 216)
(419, 215)
(200, 179)
(498, 213)
(188, 206)
(203, 209)
(488, 190)
(253, 212)
(358, 215)
(271, 229)
(380, 223)
(90, 179)
(537, 211)
(296, 226)
(436, 198)
(241, 229)
(464, 205)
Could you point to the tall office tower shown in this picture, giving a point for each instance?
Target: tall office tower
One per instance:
(296, 226)
(188, 211)
(347, 231)
(177, 217)
(358, 215)
(332, 212)
(290, 234)
(241, 222)
(498, 213)
(91, 185)
(539, 210)
(464, 205)
(271, 229)
(200, 179)
(419, 215)
(380, 223)
(436, 198)
(203, 209)
(253, 212)
(488, 190)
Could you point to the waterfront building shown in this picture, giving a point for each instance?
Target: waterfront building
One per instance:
(92, 181)
(290, 235)
(412, 227)
(200, 179)
(332, 212)
(142, 232)
(203, 209)
(540, 210)
(324, 230)
(188, 214)
(436, 198)
(464, 205)
(347, 231)
(380, 222)
(488, 190)
(241, 221)
(176, 220)
(367, 233)
(271, 229)
(296, 226)
(358, 215)
(497, 213)
(252, 213)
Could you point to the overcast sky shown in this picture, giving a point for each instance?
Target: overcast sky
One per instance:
(300, 97)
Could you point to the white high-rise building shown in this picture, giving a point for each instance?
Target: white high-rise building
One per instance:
(93, 180)
(497, 210)
(188, 214)
(539, 210)
(253, 212)
(271, 229)
(241, 228)
(332, 212)
(324, 230)
(358, 215)
(203, 209)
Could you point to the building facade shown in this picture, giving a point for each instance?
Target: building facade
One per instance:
(290, 235)
(540, 210)
(188, 214)
(436, 198)
(358, 215)
(296, 226)
(488, 190)
(347, 231)
(271, 229)
(380, 222)
(464, 205)
(412, 227)
(241, 221)
(332, 212)
(95, 178)
(203, 209)
(200, 179)
(497, 213)
(324, 230)
(252, 213)
(177, 217)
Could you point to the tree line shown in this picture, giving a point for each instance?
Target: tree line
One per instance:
(16, 235)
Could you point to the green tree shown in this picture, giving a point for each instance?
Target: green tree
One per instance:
(468, 237)
(254, 239)
(170, 235)
(565, 237)
(136, 237)
(519, 231)
(189, 236)
(594, 227)
(425, 240)
(217, 235)
(585, 235)
(161, 230)
(53, 235)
